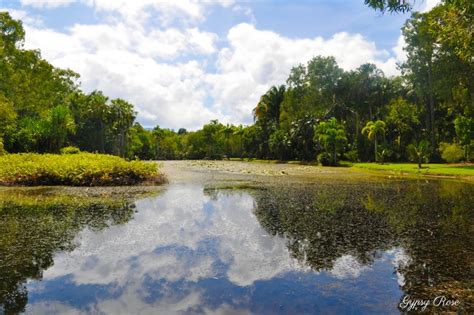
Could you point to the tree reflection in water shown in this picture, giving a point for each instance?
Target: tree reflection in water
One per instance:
(35, 227)
(431, 221)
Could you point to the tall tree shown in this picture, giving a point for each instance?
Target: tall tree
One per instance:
(332, 136)
(373, 130)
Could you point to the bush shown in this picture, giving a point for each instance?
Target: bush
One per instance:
(325, 159)
(2, 148)
(70, 150)
(81, 169)
(451, 152)
(352, 155)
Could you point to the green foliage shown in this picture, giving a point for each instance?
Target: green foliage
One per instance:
(81, 169)
(70, 150)
(279, 144)
(42, 108)
(352, 155)
(332, 137)
(389, 5)
(419, 152)
(451, 152)
(374, 130)
(2, 148)
(325, 159)
(465, 132)
(402, 117)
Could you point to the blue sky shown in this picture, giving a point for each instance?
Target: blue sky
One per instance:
(185, 62)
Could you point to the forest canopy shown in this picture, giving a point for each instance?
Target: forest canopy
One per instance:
(321, 112)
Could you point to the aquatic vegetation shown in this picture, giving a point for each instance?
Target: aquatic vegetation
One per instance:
(80, 169)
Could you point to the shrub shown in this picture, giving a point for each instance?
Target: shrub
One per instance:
(451, 152)
(81, 169)
(352, 155)
(70, 150)
(419, 152)
(325, 159)
(2, 148)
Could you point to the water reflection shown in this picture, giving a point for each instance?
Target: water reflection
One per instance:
(36, 226)
(431, 222)
(309, 249)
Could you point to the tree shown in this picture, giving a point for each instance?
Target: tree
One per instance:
(268, 108)
(372, 130)
(122, 117)
(228, 131)
(419, 67)
(12, 33)
(389, 5)
(239, 132)
(465, 132)
(332, 136)
(278, 144)
(419, 152)
(60, 124)
(402, 116)
(8, 117)
(301, 135)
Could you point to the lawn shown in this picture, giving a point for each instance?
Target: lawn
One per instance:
(81, 169)
(427, 169)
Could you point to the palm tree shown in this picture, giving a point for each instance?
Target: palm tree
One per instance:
(372, 130)
(332, 136)
(419, 152)
(122, 118)
(268, 108)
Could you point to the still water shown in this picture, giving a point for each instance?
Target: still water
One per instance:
(296, 249)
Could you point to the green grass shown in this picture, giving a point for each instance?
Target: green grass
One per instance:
(81, 169)
(427, 169)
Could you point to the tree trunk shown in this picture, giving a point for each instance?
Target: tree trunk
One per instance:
(375, 142)
(102, 137)
(431, 107)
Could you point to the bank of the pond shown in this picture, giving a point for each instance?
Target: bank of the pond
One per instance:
(454, 170)
(81, 169)
(461, 170)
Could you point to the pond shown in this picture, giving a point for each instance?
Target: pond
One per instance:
(191, 248)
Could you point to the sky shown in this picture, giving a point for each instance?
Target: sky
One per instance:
(185, 62)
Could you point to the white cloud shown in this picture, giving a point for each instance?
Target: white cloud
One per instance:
(430, 4)
(242, 243)
(46, 4)
(257, 59)
(24, 16)
(139, 11)
(347, 266)
(157, 68)
(122, 61)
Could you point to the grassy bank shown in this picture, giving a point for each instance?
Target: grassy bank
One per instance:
(427, 169)
(82, 169)
(457, 170)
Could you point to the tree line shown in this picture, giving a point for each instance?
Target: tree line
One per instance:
(321, 112)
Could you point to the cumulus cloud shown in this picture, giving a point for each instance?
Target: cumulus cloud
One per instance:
(46, 4)
(129, 63)
(179, 75)
(23, 16)
(139, 11)
(111, 256)
(256, 59)
(430, 4)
